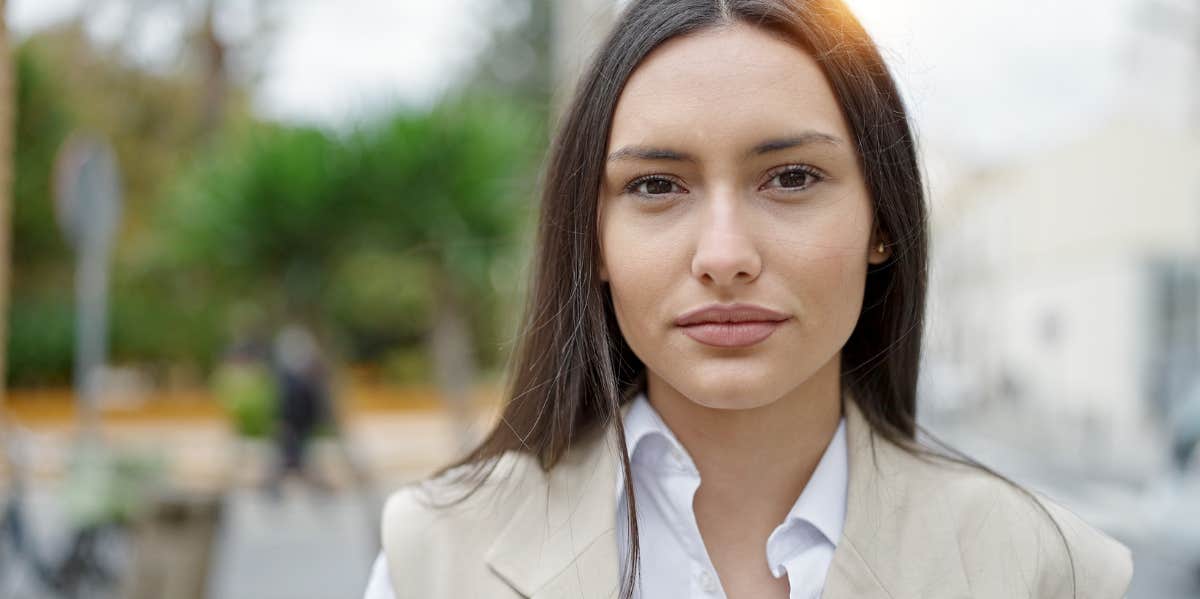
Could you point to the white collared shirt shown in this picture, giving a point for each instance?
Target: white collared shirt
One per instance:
(675, 562)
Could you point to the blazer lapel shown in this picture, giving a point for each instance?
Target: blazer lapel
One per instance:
(561, 541)
(895, 542)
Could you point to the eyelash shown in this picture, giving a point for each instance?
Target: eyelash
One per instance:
(817, 177)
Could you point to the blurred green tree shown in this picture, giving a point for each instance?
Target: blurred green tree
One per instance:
(154, 117)
(455, 188)
(405, 232)
(39, 338)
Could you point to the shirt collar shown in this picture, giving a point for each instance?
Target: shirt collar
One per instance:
(650, 442)
(643, 423)
(822, 503)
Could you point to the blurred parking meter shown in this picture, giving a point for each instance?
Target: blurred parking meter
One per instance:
(172, 532)
(87, 203)
(173, 547)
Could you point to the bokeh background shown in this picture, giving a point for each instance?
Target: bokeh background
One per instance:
(266, 259)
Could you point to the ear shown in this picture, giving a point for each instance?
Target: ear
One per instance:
(874, 256)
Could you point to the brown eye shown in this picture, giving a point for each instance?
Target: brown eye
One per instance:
(793, 179)
(654, 186)
(797, 178)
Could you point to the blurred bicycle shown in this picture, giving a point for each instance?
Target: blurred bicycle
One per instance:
(86, 567)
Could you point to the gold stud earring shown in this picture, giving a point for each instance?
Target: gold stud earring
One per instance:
(880, 248)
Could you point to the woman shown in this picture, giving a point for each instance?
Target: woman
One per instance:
(722, 338)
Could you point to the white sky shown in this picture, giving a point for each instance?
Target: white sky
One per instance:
(988, 79)
(997, 78)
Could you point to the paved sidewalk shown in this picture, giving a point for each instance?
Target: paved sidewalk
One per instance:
(304, 544)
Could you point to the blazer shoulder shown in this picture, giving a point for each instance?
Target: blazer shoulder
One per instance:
(464, 496)
(1047, 546)
(436, 526)
(1103, 566)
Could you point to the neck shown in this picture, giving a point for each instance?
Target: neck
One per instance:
(755, 461)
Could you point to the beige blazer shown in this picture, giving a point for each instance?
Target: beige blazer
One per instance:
(914, 529)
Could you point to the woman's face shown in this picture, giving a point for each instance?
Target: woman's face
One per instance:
(731, 177)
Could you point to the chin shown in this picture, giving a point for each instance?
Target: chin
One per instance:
(731, 394)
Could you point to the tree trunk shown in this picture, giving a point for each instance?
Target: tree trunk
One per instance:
(579, 27)
(216, 73)
(451, 346)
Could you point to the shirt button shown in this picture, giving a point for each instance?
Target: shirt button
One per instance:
(708, 582)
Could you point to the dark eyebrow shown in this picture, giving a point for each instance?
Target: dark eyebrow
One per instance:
(804, 139)
(647, 153)
(770, 145)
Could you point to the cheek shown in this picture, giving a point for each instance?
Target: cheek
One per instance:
(829, 275)
(834, 289)
(646, 258)
(636, 258)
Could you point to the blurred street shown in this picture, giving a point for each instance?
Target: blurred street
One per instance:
(303, 542)
(261, 539)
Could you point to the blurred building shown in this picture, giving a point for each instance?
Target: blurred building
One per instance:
(1065, 286)
(1068, 282)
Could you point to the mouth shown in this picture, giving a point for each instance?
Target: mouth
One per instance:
(731, 334)
(730, 325)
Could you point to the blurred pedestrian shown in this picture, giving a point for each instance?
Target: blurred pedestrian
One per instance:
(302, 380)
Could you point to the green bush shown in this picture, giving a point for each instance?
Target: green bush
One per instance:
(248, 393)
(41, 338)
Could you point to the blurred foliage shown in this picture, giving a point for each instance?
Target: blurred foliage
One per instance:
(247, 391)
(66, 82)
(43, 122)
(41, 332)
(153, 117)
(359, 232)
(41, 337)
(365, 234)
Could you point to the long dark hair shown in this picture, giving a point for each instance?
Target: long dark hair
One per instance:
(572, 369)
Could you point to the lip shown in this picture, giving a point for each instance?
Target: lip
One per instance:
(730, 325)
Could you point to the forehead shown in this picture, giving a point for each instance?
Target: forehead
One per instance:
(730, 84)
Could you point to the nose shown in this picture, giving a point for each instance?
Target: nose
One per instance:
(725, 245)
